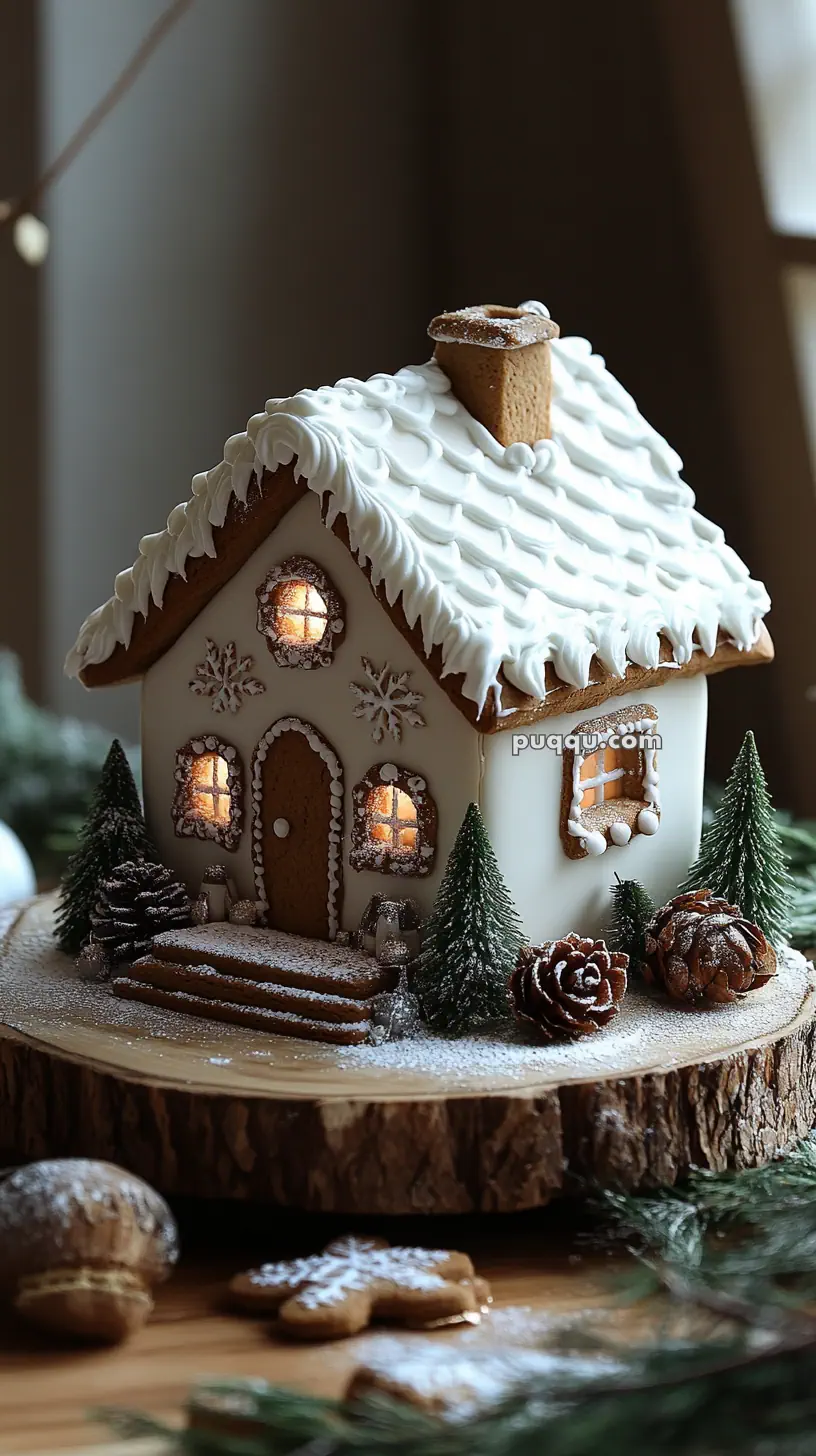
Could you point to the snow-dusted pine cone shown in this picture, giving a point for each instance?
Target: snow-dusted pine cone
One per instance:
(137, 901)
(702, 950)
(568, 988)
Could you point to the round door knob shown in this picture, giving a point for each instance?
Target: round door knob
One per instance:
(281, 828)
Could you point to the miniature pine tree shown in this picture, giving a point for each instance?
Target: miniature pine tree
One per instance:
(135, 903)
(632, 909)
(113, 831)
(472, 939)
(741, 857)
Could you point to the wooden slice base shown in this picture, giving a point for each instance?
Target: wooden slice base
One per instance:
(429, 1126)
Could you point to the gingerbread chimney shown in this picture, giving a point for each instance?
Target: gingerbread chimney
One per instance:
(498, 362)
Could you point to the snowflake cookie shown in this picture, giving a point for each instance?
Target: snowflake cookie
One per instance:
(354, 1281)
(386, 701)
(225, 677)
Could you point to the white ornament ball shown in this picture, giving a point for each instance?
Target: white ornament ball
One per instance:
(648, 821)
(31, 239)
(620, 833)
(17, 879)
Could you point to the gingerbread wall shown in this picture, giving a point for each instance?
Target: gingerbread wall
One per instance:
(445, 752)
(521, 801)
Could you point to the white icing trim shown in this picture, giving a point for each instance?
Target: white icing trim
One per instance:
(587, 544)
(319, 745)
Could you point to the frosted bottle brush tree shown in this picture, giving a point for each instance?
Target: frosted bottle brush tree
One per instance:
(741, 857)
(472, 939)
(114, 831)
(632, 909)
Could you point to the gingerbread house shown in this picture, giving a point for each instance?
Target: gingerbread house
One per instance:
(481, 578)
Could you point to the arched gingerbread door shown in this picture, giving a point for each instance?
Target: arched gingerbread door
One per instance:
(297, 812)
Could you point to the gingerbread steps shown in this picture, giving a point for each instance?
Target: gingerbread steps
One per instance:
(284, 1023)
(263, 979)
(217, 986)
(274, 957)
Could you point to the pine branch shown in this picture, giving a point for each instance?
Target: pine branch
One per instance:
(745, 1385)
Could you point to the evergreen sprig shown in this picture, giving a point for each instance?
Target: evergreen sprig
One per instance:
(741, 856)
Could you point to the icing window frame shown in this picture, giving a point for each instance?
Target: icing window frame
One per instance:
(611, 790)
(188, 821)
(396, 853)
(286, 651)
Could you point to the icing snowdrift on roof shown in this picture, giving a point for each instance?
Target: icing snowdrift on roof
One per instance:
(509, 558)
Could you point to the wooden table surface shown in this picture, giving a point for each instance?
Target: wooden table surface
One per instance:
(535, 1260)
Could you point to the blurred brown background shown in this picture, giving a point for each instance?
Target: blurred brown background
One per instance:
(293, 188)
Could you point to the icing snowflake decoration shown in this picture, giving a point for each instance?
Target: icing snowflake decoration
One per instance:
(225, 677)
(387, 702)
(353, 1265)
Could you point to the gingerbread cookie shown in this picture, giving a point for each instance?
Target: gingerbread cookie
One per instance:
(458, 1381)
(356, 1280)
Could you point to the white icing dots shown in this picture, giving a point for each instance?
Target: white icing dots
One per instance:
(648, 822)
(620, 833)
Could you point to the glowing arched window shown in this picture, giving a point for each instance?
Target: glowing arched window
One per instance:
(394, 823)
(209, 788)
(300, 614)
(392, 816)
(208, 797)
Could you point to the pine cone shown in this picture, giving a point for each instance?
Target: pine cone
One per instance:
(702, 951)
(568, 988)
(137, 901)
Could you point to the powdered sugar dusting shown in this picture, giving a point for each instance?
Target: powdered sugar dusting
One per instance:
(458, 1382)
(241, 946)
(349, 1266)
(48, 1202)
(41, 996)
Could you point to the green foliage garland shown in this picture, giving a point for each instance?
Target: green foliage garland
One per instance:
(113, 832)
(741, 857)
(632, 909)
(472, 938)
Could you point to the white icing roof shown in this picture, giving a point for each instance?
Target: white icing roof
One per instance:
(587, 543)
